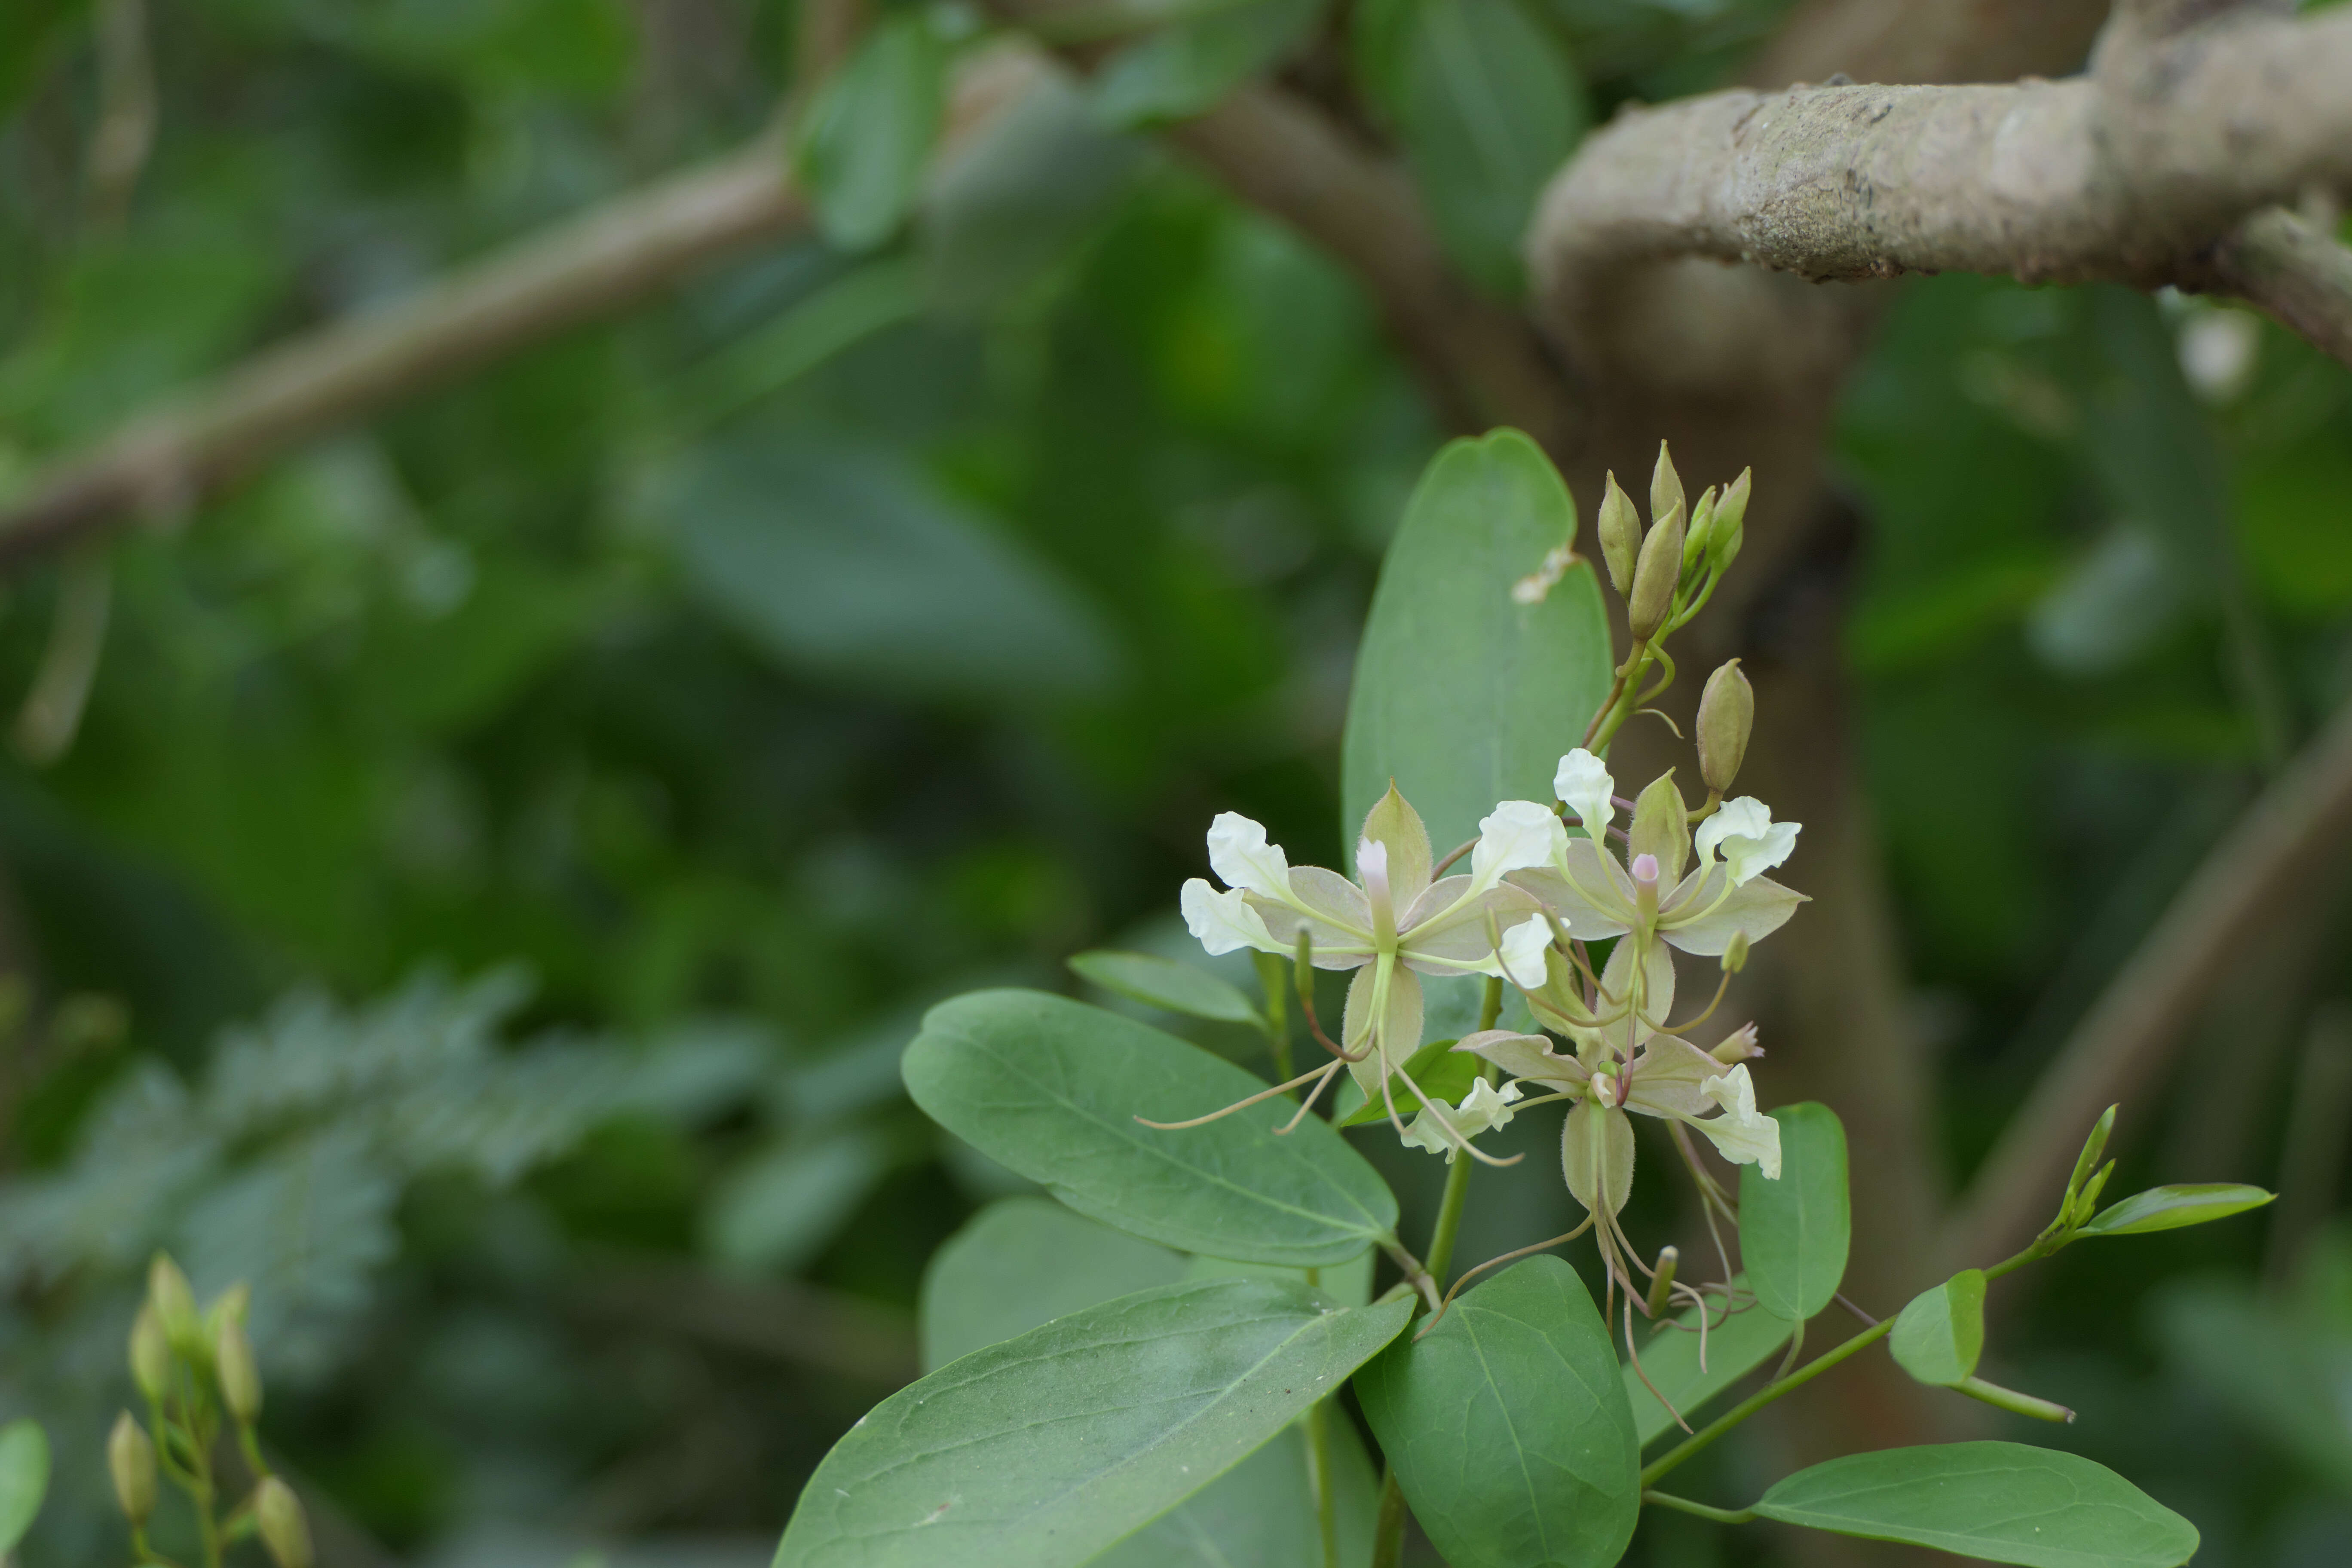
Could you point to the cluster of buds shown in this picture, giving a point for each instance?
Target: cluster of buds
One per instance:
(1673, 877)
(196, 1371)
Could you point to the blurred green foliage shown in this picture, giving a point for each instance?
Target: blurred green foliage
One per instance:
(843, 631)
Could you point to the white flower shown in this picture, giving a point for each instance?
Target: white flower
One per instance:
(1584, 782)
(1516, 835)
(1743, 1133)
(1241, 856)
(1524, 946)
(1425, 1133)
(1487, 1107)
(1751, 843)
(1224, 923)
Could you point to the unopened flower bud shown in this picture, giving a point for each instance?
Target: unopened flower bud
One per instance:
(1605, 1090)
(240, 1380)
(1727, 713)
(1737, 1047)
(1620, 528)
(1665, 487)
(151, 1353)
(176, 1306)
(1655, 576)
(1730, 525)
(233, 1305)
(1702, 521)
(131, 1461)
(1734, 953)
(284, 1529)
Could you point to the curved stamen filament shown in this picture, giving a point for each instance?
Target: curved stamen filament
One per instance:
(1303, 971)
(1634, 1357)
(1329, 1071)
(1688, 1024)
(1239, 1104)
(1513, 1257)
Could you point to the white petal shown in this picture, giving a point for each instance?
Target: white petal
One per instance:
(1241, 856)
(1524, 946)
(1423, 1132)
(1744, 1134)
(1584, 782)
(1749, 841)
(1516, 835)
(1485, 1107)
(1224, 923)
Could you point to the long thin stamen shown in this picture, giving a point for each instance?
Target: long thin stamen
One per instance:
(1634, 1357)
(1329, 1071)
(1498, 1262)
(1689, 1023)
(1302, 969)
(1237, 1105)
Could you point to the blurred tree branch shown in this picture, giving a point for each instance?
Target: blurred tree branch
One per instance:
(801, 1324)
(2141, 171)
(2293, 832)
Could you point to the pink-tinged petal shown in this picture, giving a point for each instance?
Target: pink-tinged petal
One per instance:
(1530, 1057)
(1339, 919)
(1693, 921)
(1444, 930)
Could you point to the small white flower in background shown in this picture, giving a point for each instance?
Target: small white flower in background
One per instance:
(1484, 1108)
(1749, 841)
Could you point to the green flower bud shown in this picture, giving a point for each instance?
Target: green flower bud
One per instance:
(231, 1306)
(1730, 524)
(176, 1306)
(240, 1380)
(1620, 528)
(130, 1460)
(1727, 713)
(1655, 576)
(151, 1353)
(1665, 487)
(1702, 522)
(1735, 953)
(284, 1529)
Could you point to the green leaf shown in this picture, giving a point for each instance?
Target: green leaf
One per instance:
(1188, 67)
(1940, 1334)
(1437, 1067)
(1261, 1513)
(1464, 696)
(833, 560)
(1051, 1089)
(2170, 1208)
(862, 150)
(1349, 1283)
(1490, 111)
(1735, 1348)
(1508, 1428)
(1042, 1451)
(2004, 1502)
(1019, 1264)
(1794, 1231)
(24, 1479)
(1165, 982)
(777, 1210)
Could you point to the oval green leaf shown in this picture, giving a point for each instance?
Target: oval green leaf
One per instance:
(24, 1479)
(1491, 110)
(1051, 1089)
(1019, 1264)
(1166, 983)
(1464, 695)
(1736, 1346)
(867, 141)
(2003, 1502)
(1509, 1428)
(1794, 1231)
(1044, 1451)
(2170, 1208)
(1940, 1334)
(1261, 1513)
(1188, 67)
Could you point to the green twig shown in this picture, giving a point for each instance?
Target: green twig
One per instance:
(1684, 1505)
(1706, 1435)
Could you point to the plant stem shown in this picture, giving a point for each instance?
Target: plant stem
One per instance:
(1706, 1435)
(1388, 1538)
(1684, 1505)
(1318, 1472)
